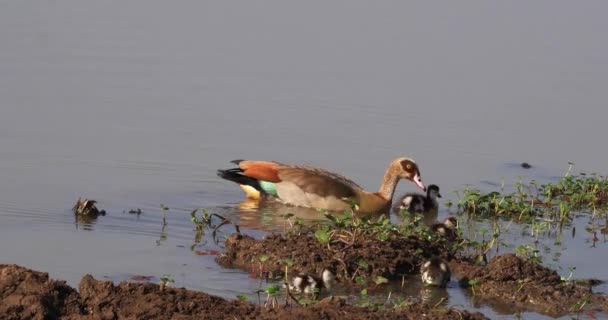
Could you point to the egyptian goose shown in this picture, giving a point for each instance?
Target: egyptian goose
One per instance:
(418, 203)
(435, 272)
(318, 188)
(312, 284)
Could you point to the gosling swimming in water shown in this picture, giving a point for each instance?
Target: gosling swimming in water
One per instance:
(312, 284)
(435, 272)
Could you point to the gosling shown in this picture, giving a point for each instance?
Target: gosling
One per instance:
(435, 272)
(312, 284)
(447, 228)
(419, 203)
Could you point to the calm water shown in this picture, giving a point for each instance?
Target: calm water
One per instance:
(136, 104)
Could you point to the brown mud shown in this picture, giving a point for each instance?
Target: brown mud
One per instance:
(27, 294)
(366, 256)
(508, 279)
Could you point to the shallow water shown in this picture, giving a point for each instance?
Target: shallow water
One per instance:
(137, 104)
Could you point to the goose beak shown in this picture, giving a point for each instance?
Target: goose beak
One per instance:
(418, 181)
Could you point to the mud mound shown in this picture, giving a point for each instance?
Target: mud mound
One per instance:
(367, 256)
(27, 294)
(147, 301)
(509, 279)
(509, 267)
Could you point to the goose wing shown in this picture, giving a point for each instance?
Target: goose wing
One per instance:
(303, 185)
(320, 182)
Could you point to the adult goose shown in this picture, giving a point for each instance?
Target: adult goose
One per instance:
(314, 187)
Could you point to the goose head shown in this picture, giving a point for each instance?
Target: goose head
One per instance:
(432, 192)
(408, 169)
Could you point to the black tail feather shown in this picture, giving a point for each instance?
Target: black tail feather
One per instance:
(237, 161)
(235, 175)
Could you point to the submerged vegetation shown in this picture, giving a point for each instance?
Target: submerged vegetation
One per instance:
(544, 210)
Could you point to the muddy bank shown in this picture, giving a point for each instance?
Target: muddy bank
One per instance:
(508, 279)
(366, 256)
(27, 294)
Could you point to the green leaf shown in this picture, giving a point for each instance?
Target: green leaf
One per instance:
(272, 289)
(264, 258)
(364, 293)
(330, 217)
(193, 213)
(241, 297)
(380, 280)
(322, 236)
(363, 264)
(360, 280)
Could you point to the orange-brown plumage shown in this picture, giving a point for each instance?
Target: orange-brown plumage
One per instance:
(261, 170)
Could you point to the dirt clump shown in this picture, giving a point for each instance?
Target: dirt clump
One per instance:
(366, 256)
(508, 279)
(146, 301)
(27, 294)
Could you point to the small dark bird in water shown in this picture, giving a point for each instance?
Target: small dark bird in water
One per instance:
(435, 272)
(419, 203)
(87, 207)
(447, 228)
(526, 165)
(135, 211)
(312, 284)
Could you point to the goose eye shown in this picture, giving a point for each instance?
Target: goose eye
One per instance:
(408, 167)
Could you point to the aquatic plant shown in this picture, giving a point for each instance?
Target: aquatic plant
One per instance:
(163, 210)
(528, 252)
(347, 227)
(553, 202)
(165, 280)
(272, 292)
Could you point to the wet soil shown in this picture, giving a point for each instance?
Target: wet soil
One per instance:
(508, 279)
(28, 294)
(366, 257)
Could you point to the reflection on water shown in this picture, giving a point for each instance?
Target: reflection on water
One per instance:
(408, 290)
(265, 214)
(268, 214)
(434, 296)
(86, 222)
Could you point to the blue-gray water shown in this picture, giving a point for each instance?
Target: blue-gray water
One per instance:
(138, 103)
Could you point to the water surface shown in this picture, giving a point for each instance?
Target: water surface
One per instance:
(136, 104)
